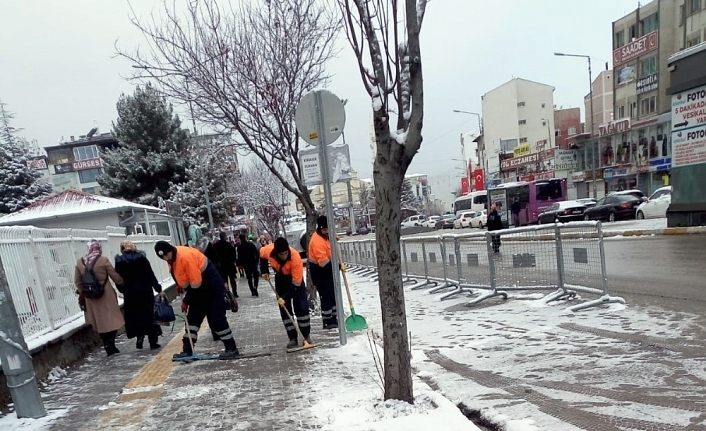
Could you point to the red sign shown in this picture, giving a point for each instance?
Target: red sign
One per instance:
(465, 186)
(634, 49)
(478, 180)
(37, 164)
(516, 162)
(613, 127)
(82, 165)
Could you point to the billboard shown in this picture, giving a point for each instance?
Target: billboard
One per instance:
(689, 127)
(635, 49)
(339, 162)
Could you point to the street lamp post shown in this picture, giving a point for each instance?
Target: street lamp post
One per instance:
(590, 97)
(480, 130)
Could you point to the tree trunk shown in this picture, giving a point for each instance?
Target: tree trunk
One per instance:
(310, 228)
(388, 175)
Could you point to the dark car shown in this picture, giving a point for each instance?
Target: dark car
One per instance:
(633, 192)
(446, 222)
(363, 230)
(613, 207)
(562, 212)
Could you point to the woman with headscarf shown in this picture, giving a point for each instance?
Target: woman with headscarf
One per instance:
(102, 313)
(139, 282)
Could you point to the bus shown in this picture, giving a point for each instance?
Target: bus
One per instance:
(528, 197)
(474, 201)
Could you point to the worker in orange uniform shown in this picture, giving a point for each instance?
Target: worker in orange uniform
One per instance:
(289, 285)
(194, 273)
(320, 267)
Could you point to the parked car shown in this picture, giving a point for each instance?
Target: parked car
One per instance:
(412, 221)
(464, 219)
(431, 222)
(480, 220)
(588, 202)
(447, 221)
(657, 204)
(633, 192)
(562, 212)
(363, 230)
(613, 207)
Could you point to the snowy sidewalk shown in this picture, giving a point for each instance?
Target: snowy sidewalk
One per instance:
(329, 387)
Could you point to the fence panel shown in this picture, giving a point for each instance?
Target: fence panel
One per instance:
(582, 257)
(471, 253)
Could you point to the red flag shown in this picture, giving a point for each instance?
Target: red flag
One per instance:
(478, 179)
(465, 186)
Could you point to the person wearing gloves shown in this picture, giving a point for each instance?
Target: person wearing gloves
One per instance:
(289, 285)
(320, 267)
(198, 277)
(139, 282)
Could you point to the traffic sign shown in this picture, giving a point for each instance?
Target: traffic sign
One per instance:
(305, 118)
(689, 109)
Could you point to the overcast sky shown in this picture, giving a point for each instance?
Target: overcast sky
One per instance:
(59, 74)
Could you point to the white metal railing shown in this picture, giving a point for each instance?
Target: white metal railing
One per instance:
(40, 266)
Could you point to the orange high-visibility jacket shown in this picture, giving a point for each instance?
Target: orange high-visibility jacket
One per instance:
(188, 266)
(293, 267)
(319, 250)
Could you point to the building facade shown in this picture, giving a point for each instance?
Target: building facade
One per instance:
(602, 91)
(567, 122)
(518, 121)
(634, 149)
(77, 164)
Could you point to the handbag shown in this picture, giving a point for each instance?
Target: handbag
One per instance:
(231, 302)
(163, 311)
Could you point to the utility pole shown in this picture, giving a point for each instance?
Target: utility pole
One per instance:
(15, 358)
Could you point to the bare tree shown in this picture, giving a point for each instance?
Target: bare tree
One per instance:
(258, 190)
(384, 35)
(243, 69)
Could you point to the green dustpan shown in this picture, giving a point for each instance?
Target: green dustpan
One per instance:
(354, 322)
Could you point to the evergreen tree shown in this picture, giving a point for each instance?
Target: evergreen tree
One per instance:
(408, 199)
(190, 193)
(20, 185)
(152, 151)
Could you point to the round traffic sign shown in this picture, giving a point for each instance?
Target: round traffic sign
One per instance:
(333, 115)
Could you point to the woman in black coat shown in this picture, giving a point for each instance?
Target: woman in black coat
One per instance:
(138, 282)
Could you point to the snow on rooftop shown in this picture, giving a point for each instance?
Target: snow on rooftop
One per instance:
(70, 202)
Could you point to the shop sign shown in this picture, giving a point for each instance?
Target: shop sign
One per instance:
(565, 160)
(82, 165)
(660, 164)
(578, 177)
(522, 150)
(648, 83)
(609, 173)
(635, 49)
(37, 164)
(63, 168)
(619, 126)
(689, 127)
(516, 162)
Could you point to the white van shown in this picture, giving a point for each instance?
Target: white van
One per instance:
(474, 201)
(412, 221)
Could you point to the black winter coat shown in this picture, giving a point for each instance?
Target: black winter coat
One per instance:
(139, 285)
(494, 221)
(248, 256)
(224, 255)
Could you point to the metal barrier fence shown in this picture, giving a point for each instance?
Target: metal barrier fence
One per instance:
(40, 265)
(562, 258)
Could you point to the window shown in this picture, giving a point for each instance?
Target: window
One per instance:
(522, 122)
(633, 32)
(544, 105)
(621, 111)
(693, 41)
(86, 153)
(648, 66)
(649, 24)
(682, 15)
(648, 105)
(520, 104)
(619, 39)
(694, 6)
(60, 156)
(549, 190)
(626, 74)
(523, 140)
(480, 199)
(557, 132)
(89, 175)
(572, 131)
(633, 109)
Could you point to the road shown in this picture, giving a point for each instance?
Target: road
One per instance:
(669, 271)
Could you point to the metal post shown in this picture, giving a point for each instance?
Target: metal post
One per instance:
(491, 261)
(444, 260)
(590, 97)
(15, 358)
(147, 224)
(404, 255)
(604, 275)
(39, 286)
(459, 267)
(325, 176)
(559, 256)
(424, 255)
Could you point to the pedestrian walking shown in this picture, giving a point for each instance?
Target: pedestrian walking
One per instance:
(204, 290)
(226, 258)
(495, 223)
(139, 285)
(97, 297)
(248, 258)
(515, 209)
(321, 268)
(289, 285)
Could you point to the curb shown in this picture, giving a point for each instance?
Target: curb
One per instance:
(650, 232)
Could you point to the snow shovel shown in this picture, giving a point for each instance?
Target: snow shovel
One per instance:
(280, 302)
(354, 322)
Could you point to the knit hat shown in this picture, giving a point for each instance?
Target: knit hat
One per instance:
(162, 248)
(281, 245)
(322, 222)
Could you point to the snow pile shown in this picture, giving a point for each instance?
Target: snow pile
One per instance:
(56, 374)
(12, 422)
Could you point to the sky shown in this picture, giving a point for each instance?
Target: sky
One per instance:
(60, 76)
